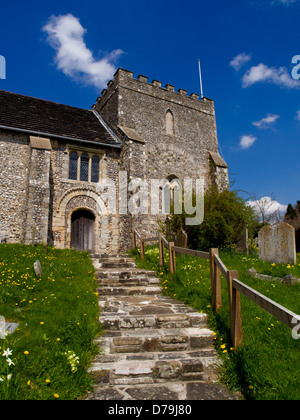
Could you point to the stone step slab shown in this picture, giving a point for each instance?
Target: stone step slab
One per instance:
(139, 281)
(129, 291)
(112, 273)
(134, 372)
(115, 265)
(115, 322)
(155, 340)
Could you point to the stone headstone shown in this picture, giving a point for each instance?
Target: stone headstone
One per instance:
(6, 327)
(242, 242)
(38, 268)
(277, 244)
(2, 238)
(181, 239)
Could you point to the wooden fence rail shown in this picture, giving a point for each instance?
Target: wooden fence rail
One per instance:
(234, 286)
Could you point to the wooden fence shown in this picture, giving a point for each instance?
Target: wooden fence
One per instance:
(234, 286)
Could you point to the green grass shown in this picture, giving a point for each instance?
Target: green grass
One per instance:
(58, 321)
(266, 366)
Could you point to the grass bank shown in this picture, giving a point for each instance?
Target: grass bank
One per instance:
(266, 366)
(58, 319)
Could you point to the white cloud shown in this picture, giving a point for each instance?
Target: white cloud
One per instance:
(73, 58)
(238, 61)
(267, 121)
(297, 115)
(277, 76)
(247, 141)
(267, 206)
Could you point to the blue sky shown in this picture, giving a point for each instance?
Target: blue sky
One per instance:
(65, 51)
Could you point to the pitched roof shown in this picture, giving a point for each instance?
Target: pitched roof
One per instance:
(45, 117)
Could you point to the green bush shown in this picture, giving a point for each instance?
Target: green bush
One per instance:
(225, 216)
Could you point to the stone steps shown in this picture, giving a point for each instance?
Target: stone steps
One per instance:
(154, 347)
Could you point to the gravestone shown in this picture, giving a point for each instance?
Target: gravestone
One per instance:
(38, 268)
(6, 327)
(242, 242)
(2, 238)
(181, 239)
(277, 244)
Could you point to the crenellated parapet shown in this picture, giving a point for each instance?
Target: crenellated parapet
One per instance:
(124, 79)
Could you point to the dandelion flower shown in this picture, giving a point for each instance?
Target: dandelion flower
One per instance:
(26, 352)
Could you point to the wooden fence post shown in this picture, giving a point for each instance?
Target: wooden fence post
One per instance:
(235, 313)
(215, 280)
(161, 251)
(133, 239)
(171, 257)
(142, 248)
(174, 259)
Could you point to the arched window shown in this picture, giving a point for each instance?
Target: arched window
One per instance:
(170, 123)
(73, 165)
(84, 167)
(95, 169)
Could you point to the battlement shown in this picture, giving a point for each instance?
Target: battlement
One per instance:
(124, 79)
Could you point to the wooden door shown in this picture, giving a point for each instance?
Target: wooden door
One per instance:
(82, 230)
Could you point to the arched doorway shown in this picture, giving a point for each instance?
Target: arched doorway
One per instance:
(82, 230)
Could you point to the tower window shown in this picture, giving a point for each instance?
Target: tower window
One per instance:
(170, 123)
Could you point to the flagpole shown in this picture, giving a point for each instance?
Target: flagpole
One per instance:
(200, 75)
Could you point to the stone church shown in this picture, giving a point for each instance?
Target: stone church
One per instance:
(53, 159)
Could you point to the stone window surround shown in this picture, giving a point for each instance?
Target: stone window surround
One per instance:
(169, 123)
(87, 151)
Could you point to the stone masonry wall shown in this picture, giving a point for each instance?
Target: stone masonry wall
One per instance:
(14, 162)
(38, 199)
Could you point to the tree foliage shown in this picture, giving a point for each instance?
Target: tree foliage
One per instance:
(225, 216)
